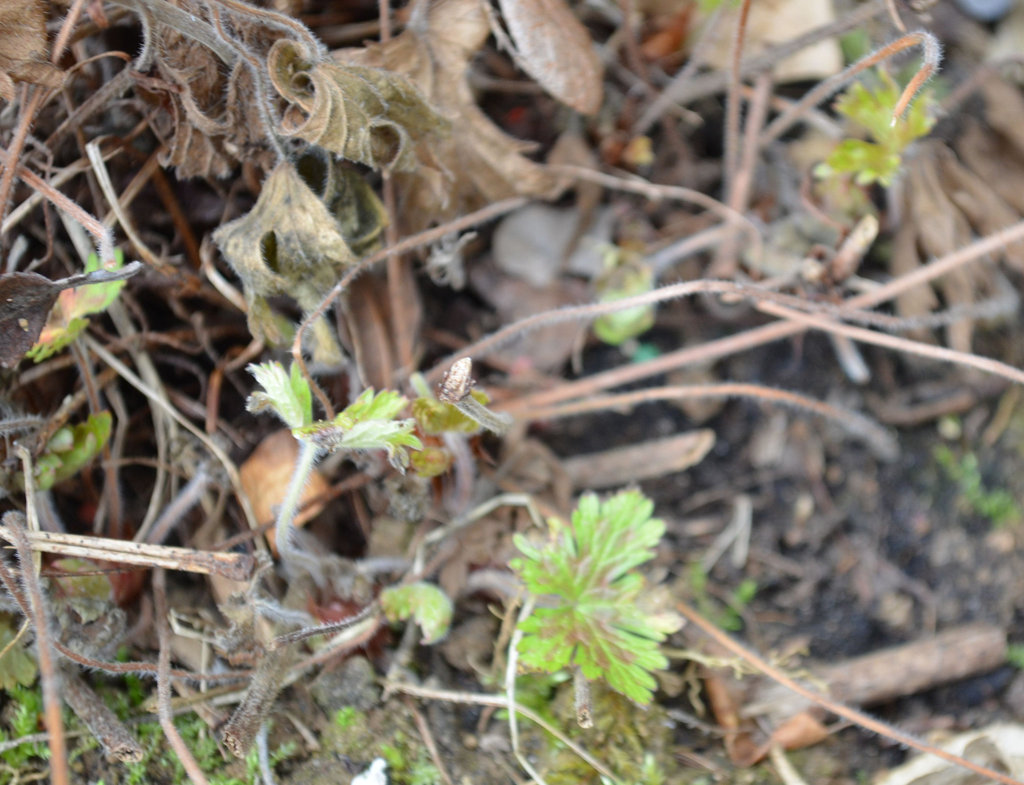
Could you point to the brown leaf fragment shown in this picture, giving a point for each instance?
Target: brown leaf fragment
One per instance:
(642, 461)
(1004, 111)
(265, 476)
(26, 300)
(982, 206)
(363, 114)
(556, 50)
(207, 107)
(293, 242)
(995, 161)
(23, 47)
(477, 163)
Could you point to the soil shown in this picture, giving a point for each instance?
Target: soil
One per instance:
(847, 551)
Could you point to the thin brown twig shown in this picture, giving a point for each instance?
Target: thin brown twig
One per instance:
(758, 336)
(931, 53)
(854, 422)
(702, 85)
(49, 675)
(858, 717)
(163, 683)
(739, 180)
(234, 566)
(104, 725)
(731, 131)
(410, 243)
(101, 234)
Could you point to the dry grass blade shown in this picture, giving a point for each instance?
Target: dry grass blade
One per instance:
(235, 566)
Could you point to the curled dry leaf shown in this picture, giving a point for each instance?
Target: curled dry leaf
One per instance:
(23, 47)
(362, 114)
(265, 476)
(556, 50)
(207, 106)
(477, 163)
(295, 240)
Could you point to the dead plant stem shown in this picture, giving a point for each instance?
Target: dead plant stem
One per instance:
(732, 99)
(879, 437)
(410, 243)
(858, 717)
(163, 683)
(49, 675)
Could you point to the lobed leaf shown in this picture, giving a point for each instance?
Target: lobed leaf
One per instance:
(591, 595)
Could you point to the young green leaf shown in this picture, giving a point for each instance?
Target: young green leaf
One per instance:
(367, 424)
(71, 448)
(422, 602)
(66, 319)
(287, 395)
(877, 161)
(589, 614)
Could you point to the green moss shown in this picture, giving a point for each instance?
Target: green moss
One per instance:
(634, 742)
(998, 505)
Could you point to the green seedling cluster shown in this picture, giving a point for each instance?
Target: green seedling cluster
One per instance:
(871, 108)
(590, 612)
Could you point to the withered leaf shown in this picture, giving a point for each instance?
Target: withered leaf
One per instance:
(363, 114)
(23, 47)
(26, 300)
(293, 243)
(477, 163)
(556, 50)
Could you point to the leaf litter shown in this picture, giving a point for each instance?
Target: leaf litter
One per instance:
(348, 151)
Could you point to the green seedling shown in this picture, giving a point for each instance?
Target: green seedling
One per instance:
(872, 108)
(22, 719)
(731, 616)
(370, 423)
(625, 275)
(66, 453)
(997, 505)
(590, 612)
(422, 602)
(68, 317)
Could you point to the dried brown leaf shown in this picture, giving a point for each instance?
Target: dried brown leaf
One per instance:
(363, 114)
(23, 47)
(265, 476)
(477, 163)
(556, 50)
(643, 461)
(209, 109)
(983, 207)
(294, 242)
(26, 300)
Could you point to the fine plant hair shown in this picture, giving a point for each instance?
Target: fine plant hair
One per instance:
(931, 52)
(765, 298)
